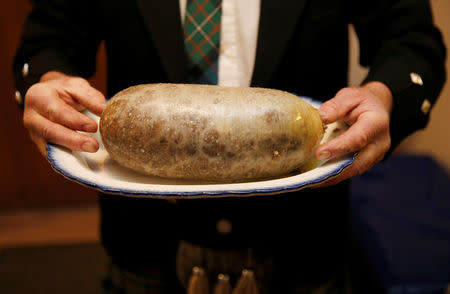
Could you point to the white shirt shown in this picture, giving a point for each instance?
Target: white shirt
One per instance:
(238, 37)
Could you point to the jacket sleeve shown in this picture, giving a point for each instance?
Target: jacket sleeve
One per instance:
(61, 35)
(404, 50)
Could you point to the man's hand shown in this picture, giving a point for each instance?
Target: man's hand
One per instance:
(52, 112)
(367, 110)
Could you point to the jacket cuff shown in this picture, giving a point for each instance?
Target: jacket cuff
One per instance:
(411, 102)
(410, 96)
(30, 71)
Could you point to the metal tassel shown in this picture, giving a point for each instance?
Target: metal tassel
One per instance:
(222, 285)
(246, 283)
(198, 282)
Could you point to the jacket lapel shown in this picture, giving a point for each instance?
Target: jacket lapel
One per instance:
(276, 26)
(163, 22)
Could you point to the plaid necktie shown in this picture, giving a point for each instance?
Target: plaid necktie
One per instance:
(202, 39)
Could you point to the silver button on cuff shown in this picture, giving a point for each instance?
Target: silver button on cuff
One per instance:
(223, 226)
(416, 79)
(25, 70)
(426, 106)
(18, 97)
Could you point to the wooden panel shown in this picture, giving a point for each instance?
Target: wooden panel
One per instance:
(66, 225)
(26, 178)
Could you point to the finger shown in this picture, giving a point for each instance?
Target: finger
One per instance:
(337, 107)
(365, 159)
(48, 104)
(73, 103)
(86, 95)
(360, 134)
(58, 134)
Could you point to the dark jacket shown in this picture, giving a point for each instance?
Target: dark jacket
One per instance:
(302, 48)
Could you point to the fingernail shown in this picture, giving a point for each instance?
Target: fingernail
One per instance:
(89, 128)
(89, 147)
(323, 155)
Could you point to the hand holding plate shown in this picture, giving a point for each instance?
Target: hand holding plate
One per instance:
(52, 112)
(367, 110)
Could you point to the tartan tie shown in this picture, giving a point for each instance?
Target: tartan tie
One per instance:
(202, 39)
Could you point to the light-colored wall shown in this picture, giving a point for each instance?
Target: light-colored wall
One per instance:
(435, 139)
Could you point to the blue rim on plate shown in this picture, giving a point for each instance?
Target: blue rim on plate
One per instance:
(70, 164)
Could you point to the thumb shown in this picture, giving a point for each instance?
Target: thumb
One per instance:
(337, 107)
